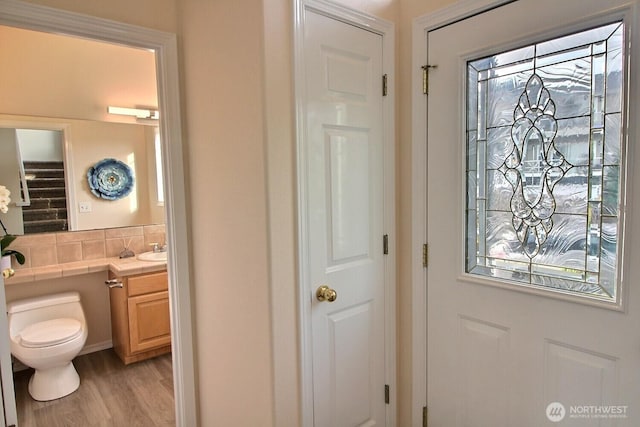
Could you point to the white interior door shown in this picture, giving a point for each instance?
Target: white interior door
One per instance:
(343, 188)
(531, 320)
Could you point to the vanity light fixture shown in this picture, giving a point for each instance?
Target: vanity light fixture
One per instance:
(140, 113)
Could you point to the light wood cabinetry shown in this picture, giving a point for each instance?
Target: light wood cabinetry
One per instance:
(140, 324)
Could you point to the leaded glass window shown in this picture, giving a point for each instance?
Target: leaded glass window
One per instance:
(544, 163)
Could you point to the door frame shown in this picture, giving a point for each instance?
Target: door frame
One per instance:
(421, 26)
(8, 412)
(41, 18)
(60, 126)
(386, 30)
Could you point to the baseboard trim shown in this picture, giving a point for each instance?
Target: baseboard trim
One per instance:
(99, 346)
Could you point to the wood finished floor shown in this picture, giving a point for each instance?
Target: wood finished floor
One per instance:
(110, 394)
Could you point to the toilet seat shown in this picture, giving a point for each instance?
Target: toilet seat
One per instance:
(50, 332)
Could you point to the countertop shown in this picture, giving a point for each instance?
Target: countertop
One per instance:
(118, 266)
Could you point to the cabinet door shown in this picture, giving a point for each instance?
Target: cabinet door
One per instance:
(149, 325)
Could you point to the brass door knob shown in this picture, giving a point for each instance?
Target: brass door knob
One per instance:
(325, 293)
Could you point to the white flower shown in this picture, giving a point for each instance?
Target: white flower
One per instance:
(4, 199)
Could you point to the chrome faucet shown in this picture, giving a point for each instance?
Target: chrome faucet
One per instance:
(157, 247)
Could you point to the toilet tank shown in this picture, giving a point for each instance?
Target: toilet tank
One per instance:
(22, 313)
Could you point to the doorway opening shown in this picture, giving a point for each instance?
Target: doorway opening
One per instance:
(162, 47)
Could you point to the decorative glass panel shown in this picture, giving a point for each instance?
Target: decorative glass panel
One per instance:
(544, 162)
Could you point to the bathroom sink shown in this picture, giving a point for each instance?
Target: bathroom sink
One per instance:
(153, 256)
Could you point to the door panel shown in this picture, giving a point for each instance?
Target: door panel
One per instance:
(348, 194)
(351, 341)
(578, 372)
(484, 349)
(344, 191)
(149, 321)
(499, 355)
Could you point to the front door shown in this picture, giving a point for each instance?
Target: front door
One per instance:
(533, 230)
(342, 209)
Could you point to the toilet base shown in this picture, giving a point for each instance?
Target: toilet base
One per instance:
(54, 383)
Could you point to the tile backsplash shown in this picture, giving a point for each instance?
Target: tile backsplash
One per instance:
(72, 246)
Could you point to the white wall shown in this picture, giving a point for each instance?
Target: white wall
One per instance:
(10, 178)
(156, 210)
(38, 145)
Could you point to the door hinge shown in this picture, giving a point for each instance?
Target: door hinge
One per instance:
(385, 244)
(424, 416)
(386, 394)
(425, 78)
(425, 255)
(384, 85)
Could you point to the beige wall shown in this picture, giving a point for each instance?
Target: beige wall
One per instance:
(90, 142)
(94, 141)
(222, 72)
(71, 77)
(94, 296)
(62, 79)
(156, 14)
(238, 120)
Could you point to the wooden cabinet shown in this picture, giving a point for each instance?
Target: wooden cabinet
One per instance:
(140, 324)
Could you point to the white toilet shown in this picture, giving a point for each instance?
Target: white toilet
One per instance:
(46, 334)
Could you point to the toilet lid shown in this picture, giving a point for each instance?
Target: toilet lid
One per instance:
(50, 332)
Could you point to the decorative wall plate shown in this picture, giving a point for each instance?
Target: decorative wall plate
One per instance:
(110, 179)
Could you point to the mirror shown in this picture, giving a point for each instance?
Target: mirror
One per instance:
(58, 113)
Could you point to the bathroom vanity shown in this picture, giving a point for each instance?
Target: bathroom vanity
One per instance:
(140, 323)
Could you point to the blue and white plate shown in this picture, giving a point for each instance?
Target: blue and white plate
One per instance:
(110, 179)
